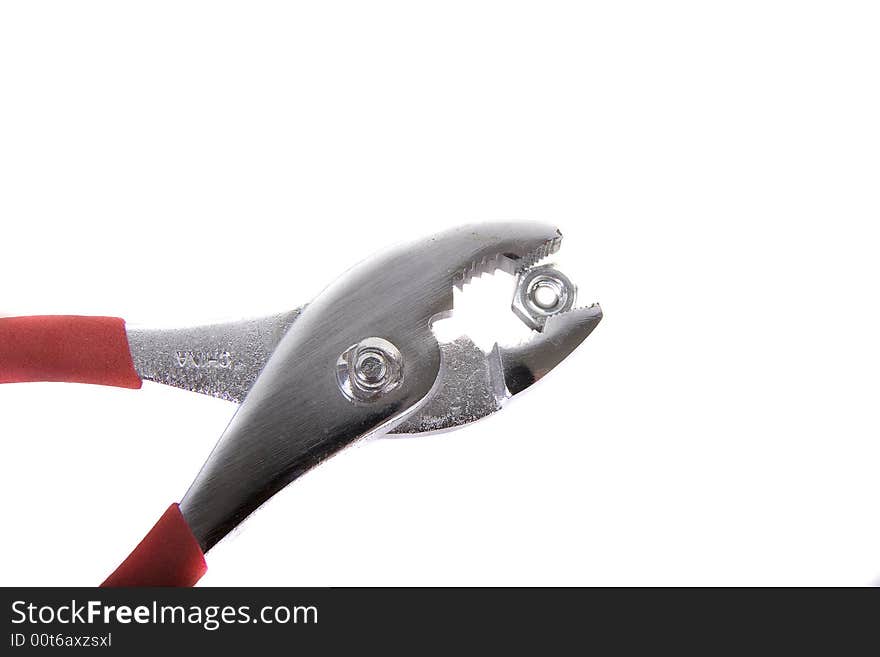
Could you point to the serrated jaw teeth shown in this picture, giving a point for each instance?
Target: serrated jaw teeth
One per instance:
(509, 262)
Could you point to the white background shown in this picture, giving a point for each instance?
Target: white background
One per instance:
(715, 170)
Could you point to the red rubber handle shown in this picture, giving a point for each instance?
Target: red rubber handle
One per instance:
(169, 555)
(66, 348)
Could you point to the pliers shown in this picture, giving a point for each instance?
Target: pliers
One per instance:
(361, 360)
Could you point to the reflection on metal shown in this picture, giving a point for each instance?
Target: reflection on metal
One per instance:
(361, 360)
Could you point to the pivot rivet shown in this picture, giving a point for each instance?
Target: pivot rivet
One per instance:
(369, 369)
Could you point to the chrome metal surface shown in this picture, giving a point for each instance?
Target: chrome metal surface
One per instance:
(526, 363)
(474, 384)
(221, 360)
(471, 386)
(293, 416)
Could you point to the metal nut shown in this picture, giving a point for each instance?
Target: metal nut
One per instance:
(369, 369)
(542, 292)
